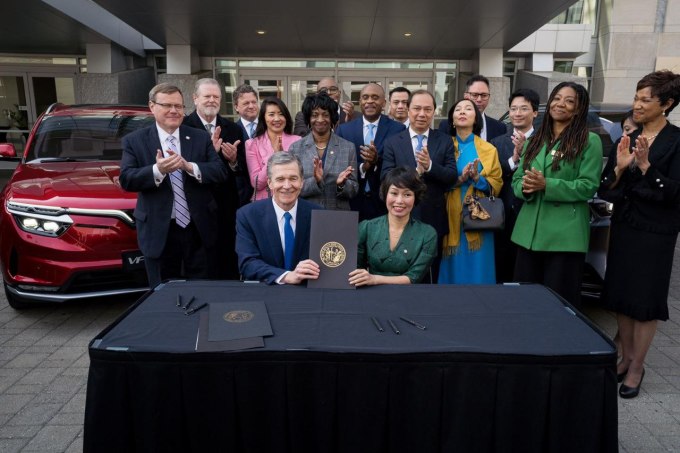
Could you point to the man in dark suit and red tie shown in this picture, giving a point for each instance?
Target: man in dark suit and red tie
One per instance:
(230, 146)
(431, 153)
(272, 235)
(368, 133)
(173, 167)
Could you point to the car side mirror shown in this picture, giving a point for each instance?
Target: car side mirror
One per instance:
(7, 150)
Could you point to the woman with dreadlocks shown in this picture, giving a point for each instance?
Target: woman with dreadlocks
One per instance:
(559, 173)
(642, 179)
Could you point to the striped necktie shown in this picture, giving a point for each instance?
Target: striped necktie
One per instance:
(182, 216)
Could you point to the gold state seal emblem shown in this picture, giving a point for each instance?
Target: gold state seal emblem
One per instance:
(333, 254)
(238, 316)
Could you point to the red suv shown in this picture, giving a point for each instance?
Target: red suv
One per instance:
(66, 226)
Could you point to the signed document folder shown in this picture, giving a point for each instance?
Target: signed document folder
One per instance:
(236, 320)
(333, 245)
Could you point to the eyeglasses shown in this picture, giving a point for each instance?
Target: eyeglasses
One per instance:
(329, 90)
(178, 107)
(482, 96)
(520, 109)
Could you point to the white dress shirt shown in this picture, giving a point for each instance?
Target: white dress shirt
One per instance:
(163, 136)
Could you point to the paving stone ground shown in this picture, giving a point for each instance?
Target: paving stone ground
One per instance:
(44, 365)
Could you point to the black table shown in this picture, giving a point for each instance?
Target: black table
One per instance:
(499, 368)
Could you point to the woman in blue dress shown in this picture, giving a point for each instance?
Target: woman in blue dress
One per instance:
(468, 257)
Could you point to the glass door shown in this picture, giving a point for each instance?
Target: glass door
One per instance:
(14, 111)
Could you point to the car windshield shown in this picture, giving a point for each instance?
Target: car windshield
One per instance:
(86, 136)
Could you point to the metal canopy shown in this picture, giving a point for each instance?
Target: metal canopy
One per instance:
(440, 29)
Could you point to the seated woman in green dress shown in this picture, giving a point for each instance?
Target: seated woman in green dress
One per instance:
(396, 248)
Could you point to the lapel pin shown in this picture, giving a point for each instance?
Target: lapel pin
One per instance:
(187, 137)
(405, 251)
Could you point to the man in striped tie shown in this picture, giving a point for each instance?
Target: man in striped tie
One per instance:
(172, 167)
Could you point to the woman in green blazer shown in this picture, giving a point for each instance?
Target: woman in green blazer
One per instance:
(396, 248)
(560, 172)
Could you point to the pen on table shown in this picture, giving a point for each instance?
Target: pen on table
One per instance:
(393, 326)
(194, 310)
(376, 323)
(179, 300)
(191, 301)
(413, 323)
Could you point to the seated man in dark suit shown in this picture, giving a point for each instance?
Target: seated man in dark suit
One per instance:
(230, 146)
(431, 153)
(368, 133)
(477, 90)
(173, 168)
(523, 111)
(272, 235)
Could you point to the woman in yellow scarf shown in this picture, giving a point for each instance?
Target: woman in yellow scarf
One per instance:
(468, 257)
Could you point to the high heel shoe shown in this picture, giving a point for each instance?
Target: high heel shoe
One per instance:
(631, 392)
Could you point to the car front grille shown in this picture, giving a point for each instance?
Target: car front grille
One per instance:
(105, 280)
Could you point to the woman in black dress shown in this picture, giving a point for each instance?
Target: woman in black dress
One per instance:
(642, 179)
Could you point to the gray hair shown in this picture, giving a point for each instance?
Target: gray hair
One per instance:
(204, 81)
(163, 88)
(282, 158)
(241, 90)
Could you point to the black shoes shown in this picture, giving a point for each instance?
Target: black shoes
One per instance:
(621, 376)
(631, 392)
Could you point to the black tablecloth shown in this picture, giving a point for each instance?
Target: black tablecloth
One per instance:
(499, 368)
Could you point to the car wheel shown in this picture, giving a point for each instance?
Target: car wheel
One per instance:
(16, 302)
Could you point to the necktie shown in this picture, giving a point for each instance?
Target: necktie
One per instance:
(370, 134)
(209, 127)
(420, 138)
(368, 138)
(251, 129)
(182, 216)
(289, 241)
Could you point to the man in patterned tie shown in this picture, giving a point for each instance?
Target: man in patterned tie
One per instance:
(172, 167)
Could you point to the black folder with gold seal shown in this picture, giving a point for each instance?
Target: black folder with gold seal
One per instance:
(235, 320)
(333, 245)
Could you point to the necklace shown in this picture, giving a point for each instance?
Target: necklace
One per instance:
(649, 137)
(321, 147)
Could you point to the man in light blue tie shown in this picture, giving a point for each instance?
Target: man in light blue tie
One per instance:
(172, 168)
(247, 108)
(272, 235)
(368, 134)
(431, 153)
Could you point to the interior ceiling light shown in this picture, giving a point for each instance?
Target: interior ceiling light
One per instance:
(408, 34)
(261, 32)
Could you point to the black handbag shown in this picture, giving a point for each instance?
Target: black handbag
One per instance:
(483, 213)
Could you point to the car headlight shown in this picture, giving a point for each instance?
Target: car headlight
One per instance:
(42, 220)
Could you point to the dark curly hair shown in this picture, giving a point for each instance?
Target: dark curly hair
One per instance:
(403, 178)
(574, 137)
(319, 101)
(665, 85)
(262, 124)
(478, 124)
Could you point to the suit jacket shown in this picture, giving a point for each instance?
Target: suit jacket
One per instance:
(301, 129)
(155, 203)
(244, 132)
(511, 203)
(339, 154)
(258, 241)
(238, 188)
(557, 219)
(398, 151)
(258, 152)
(494, 128)
(369, 205)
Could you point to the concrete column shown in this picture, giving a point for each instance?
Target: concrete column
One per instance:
(491, 62)
(542, 62)
(182, 60)
(125, 87)
(635, 38)
(104, 58)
